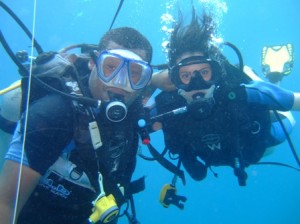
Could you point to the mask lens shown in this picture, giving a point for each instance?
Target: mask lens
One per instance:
(139, 74)
(111, 67)
(184, 74)
(108, 65)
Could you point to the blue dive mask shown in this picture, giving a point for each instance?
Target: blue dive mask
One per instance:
(123, 69)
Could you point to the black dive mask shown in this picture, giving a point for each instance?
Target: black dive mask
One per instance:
(197, 82)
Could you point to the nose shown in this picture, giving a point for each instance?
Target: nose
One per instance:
(121, 78)
(196, 73)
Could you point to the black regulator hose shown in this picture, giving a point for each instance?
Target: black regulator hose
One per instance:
(238, 53)
(22, 69)
(24, 28)
(116, 14)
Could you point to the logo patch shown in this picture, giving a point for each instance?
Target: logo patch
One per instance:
(212, 141)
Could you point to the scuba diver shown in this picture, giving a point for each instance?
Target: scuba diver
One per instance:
(210, 111)
(79, 153)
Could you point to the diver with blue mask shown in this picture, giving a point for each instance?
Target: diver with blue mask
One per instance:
(123, 73)
(79, 157)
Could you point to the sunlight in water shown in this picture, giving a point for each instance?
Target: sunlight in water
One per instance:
(167, 21)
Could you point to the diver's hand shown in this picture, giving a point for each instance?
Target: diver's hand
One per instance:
(51, 64)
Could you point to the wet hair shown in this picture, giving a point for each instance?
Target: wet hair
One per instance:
(195, 37)
(128, 38)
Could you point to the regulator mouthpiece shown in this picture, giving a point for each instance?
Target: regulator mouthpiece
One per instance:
(116, 111)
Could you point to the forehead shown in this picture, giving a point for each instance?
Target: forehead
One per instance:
(193, 67)
(187, 55)
(113, 45)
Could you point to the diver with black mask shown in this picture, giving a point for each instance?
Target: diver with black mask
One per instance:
(191, 78)
(225, 117)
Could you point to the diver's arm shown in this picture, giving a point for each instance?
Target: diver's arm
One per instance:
(296, 105)
(9, 189)
(270, 95)
(161, 80)
(286, 96)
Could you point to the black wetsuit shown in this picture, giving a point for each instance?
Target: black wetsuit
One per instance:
(54, 127)
(229, 131)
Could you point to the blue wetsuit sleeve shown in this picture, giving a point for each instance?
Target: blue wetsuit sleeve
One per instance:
(14, 152)
(49, 130)
(270, 95)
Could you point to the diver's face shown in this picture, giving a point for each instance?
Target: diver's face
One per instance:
(188, 72)
(104, 92)
(196, 75)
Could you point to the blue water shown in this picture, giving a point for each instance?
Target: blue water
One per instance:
(272, 193)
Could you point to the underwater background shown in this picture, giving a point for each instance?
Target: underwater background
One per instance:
(272, 192)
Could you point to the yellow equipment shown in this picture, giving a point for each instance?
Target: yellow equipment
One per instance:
(105, 207)
(277, 61)
(168, 196)
(15, 85)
